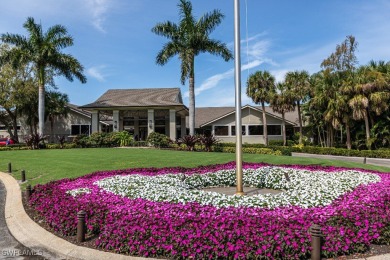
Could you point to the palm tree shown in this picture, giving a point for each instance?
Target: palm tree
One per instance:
(56, 107)
(369, 94)
(43, 51)
(299, 85)
(281, 103)
(261, 87)
(188, 39)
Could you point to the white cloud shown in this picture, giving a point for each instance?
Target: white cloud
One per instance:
(98, 10)
(96, 73)
(93, 11)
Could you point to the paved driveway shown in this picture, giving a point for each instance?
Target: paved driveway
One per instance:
(9, 247)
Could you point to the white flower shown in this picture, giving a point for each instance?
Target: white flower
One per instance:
(305, 188)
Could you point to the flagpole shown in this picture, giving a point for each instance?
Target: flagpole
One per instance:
(237, 81)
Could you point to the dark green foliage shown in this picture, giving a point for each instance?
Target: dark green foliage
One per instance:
(33, 141)
(158, 140)
(208, 141)
(121, 139)
(81, 141)
(189, 141)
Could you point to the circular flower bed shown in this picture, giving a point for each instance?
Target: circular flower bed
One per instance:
(164, 212)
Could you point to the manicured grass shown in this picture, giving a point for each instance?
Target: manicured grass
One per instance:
(42, 166)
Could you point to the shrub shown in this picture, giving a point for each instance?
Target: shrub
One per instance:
(81, 141)
(54, 146)
(122, 138)
(61, 140)
(158, 140)
(189, 141)
(208, 141)
(97, 139)
(32, 141)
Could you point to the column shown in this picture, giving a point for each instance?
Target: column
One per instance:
(116, 121)
(172, 124)
(150, 121)
(136, 126)
(95, 121)
(183, 126)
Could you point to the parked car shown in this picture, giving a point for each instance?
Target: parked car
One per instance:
(6, 141)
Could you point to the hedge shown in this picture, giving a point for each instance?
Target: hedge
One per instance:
(381, 153)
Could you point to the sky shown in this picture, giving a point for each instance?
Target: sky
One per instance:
(114, 42)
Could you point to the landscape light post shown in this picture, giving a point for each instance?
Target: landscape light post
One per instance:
(237, 81)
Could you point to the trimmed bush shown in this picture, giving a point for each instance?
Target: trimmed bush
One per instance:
(158, 140)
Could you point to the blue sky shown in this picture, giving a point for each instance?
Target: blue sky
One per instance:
(114, 42)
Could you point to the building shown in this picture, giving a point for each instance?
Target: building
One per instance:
(220, 121)
(143, 111)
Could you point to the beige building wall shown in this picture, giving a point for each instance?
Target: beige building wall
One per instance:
(249, 117)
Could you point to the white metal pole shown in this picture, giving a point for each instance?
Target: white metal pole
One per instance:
(237, 81)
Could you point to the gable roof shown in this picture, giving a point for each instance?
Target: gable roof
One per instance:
(138, 98)
(207, 115)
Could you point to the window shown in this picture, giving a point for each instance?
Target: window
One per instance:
(159, 121)
(221, 130)
(274, 129)
(255, 130)
(128, 121)
(234, 130)
(80, 129)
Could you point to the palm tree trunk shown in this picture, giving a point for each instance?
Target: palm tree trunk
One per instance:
(191, 122)
(300, 122)
(284, 130)
(265, 133)
(367, 130)
(319, 136)
(348, 132)
(41, 106)
(191, 97)
(51, 129)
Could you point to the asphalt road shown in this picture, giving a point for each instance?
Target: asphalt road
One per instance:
(10, 248)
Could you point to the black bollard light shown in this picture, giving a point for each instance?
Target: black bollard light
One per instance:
(365, 160)
(28, 192)
(23, 175)
(9, 167)
(81, 228)
(316, 235)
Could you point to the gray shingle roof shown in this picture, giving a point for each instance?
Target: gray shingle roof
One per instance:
(138, 98)
(204, 115)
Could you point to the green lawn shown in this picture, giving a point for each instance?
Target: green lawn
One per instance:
(42, 166)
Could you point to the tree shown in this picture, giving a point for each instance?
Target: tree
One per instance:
(299, 85)
(260, 88)
(188, 39)
(56, 107)
(339, 70)
(43, 51)
(282, 103)
(370, 94)
(15, 86)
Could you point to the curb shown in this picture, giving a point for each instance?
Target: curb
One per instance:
(33, 236)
